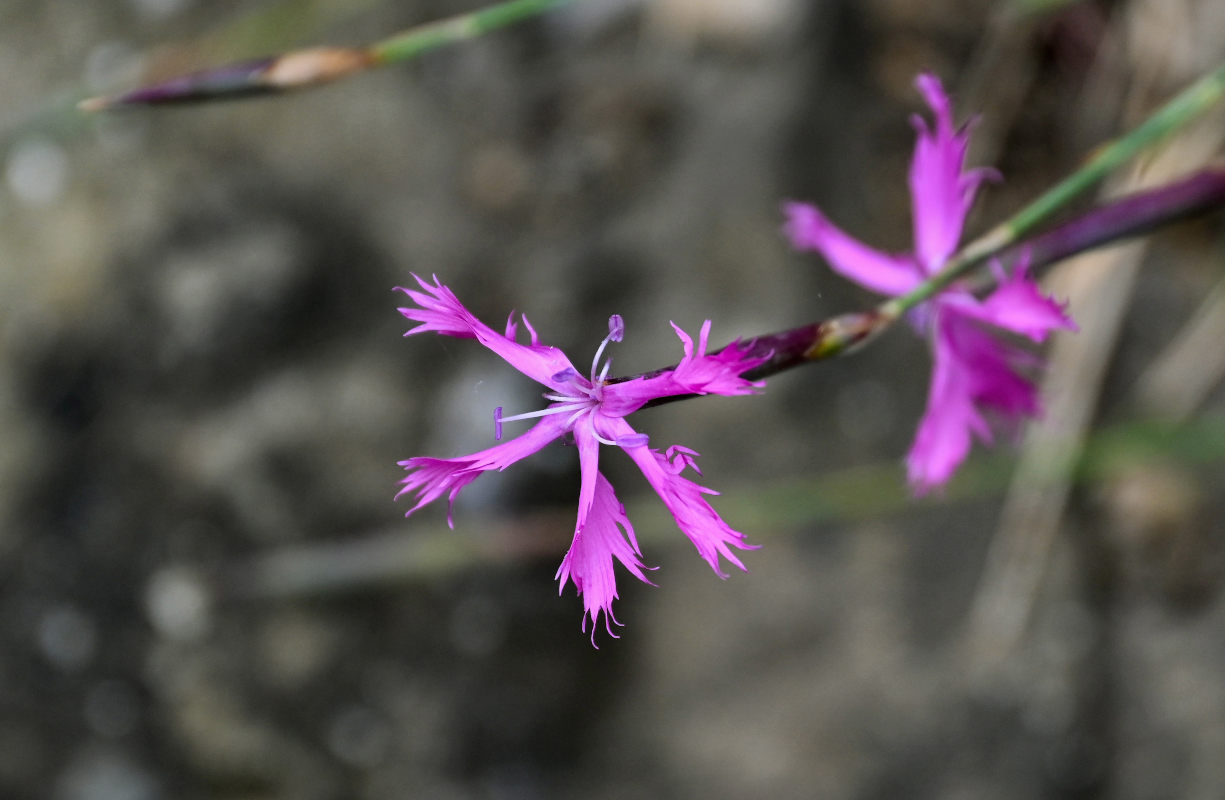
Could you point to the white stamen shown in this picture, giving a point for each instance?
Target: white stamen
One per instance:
(585, 397)
(544, 412)
(574, 418)
(616, 332)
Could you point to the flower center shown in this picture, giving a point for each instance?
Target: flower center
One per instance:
(581, 396)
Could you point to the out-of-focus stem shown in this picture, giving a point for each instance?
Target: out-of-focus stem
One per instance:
(300, 69)
(414, 42)
(1125, 217)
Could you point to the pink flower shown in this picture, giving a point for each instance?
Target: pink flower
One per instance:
(974, 370)
(592, 409)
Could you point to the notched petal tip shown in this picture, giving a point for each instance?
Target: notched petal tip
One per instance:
(802, 224)
(533, 337)
(932, 90)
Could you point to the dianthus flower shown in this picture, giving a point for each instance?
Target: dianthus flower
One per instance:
(973, 369)
(592, 409)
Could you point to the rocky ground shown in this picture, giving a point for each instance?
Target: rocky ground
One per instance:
(207, 591)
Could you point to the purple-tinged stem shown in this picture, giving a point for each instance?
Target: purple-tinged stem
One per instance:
(245, 79)
(832, 337)
(791, 348)
(1131, 215)
(241, 78)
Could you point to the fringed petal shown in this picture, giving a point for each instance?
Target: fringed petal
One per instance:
(973, 370)
(941, 190)
(431, 478)
(685, 500)
(440, 311)
(1018, 305)
(605, 537)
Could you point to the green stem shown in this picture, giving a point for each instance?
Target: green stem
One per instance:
(422, 39)
(1184, 107)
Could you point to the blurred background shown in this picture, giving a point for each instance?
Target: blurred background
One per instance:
(206, 589)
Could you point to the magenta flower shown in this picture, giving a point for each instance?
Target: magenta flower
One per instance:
(974, 371)
(592, 409)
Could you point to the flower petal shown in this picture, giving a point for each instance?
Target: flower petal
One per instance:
(941, 191)
(696, 373)
(606, 535)
(589, 465)
(1018, 305)
(439, 310)
(943, 438)
(431, 478)
(972, 370)
(809, 229)
(717, 373)
(694, 516)
(991, 366)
